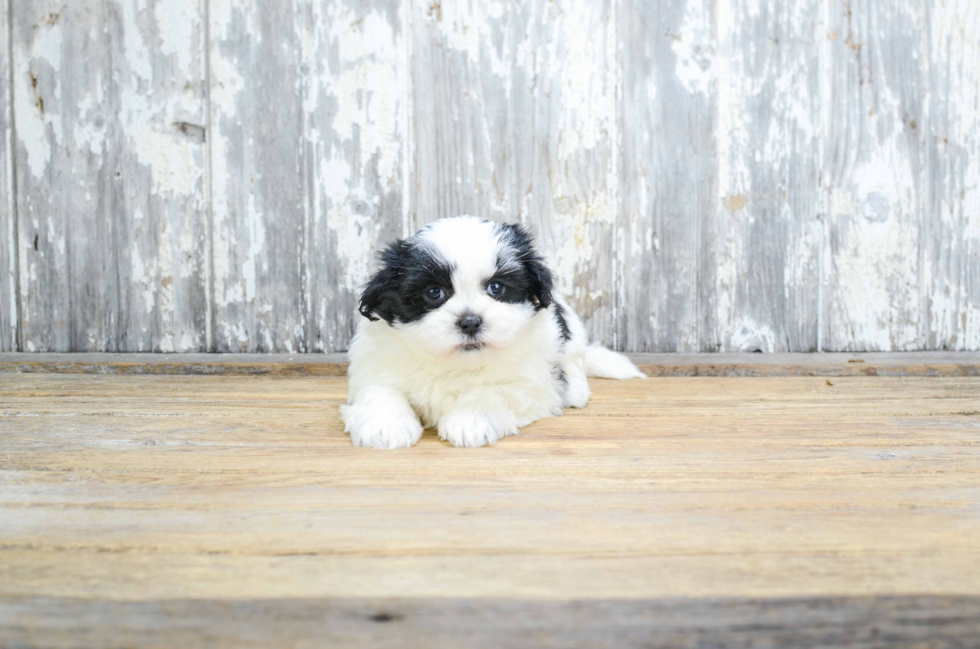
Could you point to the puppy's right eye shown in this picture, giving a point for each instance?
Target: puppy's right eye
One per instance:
(434, 294)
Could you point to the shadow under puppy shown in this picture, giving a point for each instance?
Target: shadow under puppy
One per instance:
(463, 333)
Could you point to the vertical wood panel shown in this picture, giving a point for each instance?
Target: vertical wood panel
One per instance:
(874, 164)
(307, 106)
(356, 110)
(61, 90)
(158, 211)
(110, 165)
(8, 247)
(515, 119)
(764, 238)
(260, 180)
(951, 235)
(669, 171)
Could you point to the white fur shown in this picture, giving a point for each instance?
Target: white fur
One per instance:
(603, 363)
(406, 376)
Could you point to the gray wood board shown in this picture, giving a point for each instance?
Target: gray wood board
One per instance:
(259, 176)
(668, 114)
(110, 158)
(8, 237)
(307, 110)
(950, 302)
(874, 169)
(60, 95)
(357, 143)
(761, 246)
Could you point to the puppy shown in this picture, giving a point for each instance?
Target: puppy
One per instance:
(462, 332)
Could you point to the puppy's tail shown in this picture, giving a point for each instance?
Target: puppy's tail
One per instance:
(606, 364)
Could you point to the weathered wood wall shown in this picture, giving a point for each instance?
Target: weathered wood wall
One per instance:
(8, 249)
(708, 175)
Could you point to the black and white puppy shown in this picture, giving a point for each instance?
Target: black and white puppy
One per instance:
(462, 332)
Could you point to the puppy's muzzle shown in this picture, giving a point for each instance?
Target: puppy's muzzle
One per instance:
(470, 324)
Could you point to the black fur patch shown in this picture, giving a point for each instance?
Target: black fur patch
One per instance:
(566, 333)
(559, 374)
(397, 291)
(527, 281)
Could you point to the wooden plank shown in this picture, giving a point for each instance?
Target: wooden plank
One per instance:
(951, 224)
(829, 365)
(763, 238)
(874, 162)
(158, 209)
(260, 176)
(109, 112)
(515, 120)
(804, 623)
(305, 187)
(8, 230)
(669, 114)
(670, 506)
(60, 91)
(357, 143)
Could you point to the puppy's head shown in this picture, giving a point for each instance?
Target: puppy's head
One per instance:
(461, 285)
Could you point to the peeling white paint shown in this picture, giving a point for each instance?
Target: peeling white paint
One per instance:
(750, 336)
(531, 132)
(694, 46)
(8, 247)
(874, 292)
(176, 24)
(365, 92)
(32, 122)
(586, 79)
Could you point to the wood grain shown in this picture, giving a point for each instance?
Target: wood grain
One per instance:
(874, 162)
(762, 240)
(260, 176)
(951, 219)
(61, 104)
(8, 248)
(668, 112)
(357, 140)
(159, 203)
(110, 164)
(308, 185)
(755, 507)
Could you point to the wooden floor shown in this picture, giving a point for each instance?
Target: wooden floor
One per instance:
(216, 511)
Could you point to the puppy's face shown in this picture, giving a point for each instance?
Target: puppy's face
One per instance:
(460, 286)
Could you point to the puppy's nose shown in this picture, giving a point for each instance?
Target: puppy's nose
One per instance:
(469, 324)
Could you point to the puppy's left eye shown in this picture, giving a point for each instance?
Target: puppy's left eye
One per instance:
(495, 289)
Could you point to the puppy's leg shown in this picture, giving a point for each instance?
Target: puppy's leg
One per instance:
(381, 418)
(477, 420)
(577, 391)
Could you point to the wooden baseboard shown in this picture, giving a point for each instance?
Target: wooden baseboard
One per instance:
(822, 364)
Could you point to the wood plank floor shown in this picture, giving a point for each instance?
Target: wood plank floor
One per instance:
(731, 512)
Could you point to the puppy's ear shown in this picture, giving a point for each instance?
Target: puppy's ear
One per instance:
(380, 298)
(540, 282)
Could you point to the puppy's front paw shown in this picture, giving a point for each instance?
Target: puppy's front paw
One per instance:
(378, 430)
(473, 429)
